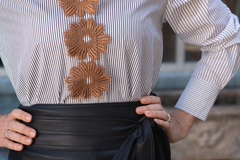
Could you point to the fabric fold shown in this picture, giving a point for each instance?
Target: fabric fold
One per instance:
(142, 140)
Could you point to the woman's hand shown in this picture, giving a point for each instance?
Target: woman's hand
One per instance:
(179, 124)
(17, 134)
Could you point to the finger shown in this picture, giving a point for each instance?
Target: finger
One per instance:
(22, 128)
(162, 123)
(18, 138)
(151, 107)
(150, 100)
(163, 115)
(21, 115)
(12, 145)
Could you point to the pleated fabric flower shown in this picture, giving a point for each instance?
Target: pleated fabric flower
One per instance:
(78, 7)
(86, 37)
(87, 79)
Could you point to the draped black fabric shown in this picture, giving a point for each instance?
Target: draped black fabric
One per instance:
(109, 131)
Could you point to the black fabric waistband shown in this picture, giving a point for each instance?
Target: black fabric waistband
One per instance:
(79, 126)
(94, 127)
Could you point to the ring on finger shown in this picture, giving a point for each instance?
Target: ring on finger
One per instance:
(5, 134)
(169, 118)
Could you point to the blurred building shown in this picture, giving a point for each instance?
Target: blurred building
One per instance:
(207, 140)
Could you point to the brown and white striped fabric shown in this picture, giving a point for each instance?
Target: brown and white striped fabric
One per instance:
(33, 52)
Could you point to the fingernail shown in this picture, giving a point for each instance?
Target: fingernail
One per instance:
(144, 100)
(32, 133)
(28, 140)
(156, 120)
(19, 147)
(139, 110)
(28, 118)
(149, 112)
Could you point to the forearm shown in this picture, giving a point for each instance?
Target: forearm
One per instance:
(217, 31)
(180, 124)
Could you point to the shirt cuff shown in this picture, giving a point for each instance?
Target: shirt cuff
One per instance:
(198, 98)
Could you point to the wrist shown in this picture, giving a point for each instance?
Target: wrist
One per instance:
(180, 125)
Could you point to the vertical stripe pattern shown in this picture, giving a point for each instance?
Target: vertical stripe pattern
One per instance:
(33, 52)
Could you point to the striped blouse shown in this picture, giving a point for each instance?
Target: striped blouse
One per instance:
(34, 55)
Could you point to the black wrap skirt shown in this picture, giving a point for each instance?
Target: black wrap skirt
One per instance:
(106, 131)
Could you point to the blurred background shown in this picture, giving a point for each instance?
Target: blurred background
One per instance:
(216, 139)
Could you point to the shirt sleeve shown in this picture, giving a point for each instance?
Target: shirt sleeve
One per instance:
(211, 25)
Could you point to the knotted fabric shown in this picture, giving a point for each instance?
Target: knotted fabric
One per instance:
(142, 139)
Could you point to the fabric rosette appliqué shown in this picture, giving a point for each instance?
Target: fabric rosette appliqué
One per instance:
(87, 79)
(78, 7)
(84, 39)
